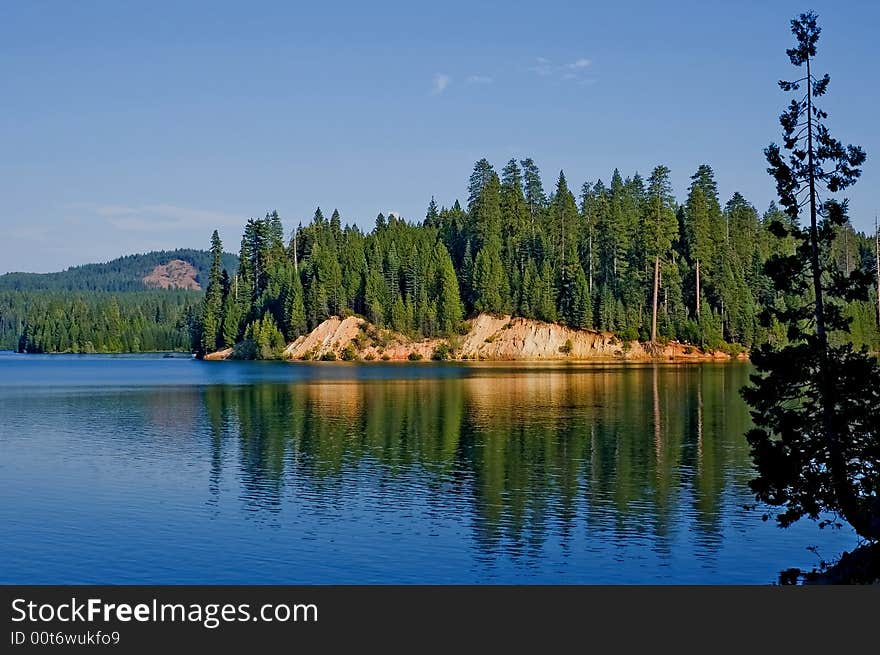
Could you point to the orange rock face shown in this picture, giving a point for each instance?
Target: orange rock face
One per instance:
(494, 338)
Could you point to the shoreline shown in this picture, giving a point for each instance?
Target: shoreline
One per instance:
(487, 338)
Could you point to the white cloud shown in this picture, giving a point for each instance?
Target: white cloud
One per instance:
(580, 63)
(542, 67)
(158, 217)
(479, 79)
(441, 81)
(571, 71)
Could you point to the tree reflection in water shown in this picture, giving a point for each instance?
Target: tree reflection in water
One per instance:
(631, 451)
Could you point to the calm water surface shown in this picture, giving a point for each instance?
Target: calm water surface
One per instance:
(139, 469)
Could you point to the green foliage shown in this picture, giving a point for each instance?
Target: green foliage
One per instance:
(266, 337)
(442, 352)
(490, 287)
(294, 307)
(816, 408)
(98, 322)
(210, 326)
(449, 307)
(124, 274)
(513, 250)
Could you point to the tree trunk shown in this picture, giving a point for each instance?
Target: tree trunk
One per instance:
(590, 266)
(877, 255)
(698, 288)
(656, 292)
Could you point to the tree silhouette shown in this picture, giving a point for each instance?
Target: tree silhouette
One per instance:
(816, 401)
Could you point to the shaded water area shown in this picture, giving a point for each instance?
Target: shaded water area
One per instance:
(148, 470)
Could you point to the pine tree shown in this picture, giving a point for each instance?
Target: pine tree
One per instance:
(275, 232)
(491, 292)
(295, 308)
(536, 200)
(816, 444)
(374, 293)
(529, 280)
(212, 309)
(336, 227)
(617, 231)
(432, 216)
(696, 233)
(466, 277)
(543, 300)
(659, 229)
(449, 307)
(480, 176)
(232, 314)
(594, 209)
(515, 232)
(581, 315)
(485, 212)
(564, 219)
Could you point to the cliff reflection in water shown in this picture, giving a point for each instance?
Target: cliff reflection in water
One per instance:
(633, 453)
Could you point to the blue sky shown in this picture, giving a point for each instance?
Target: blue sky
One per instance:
(127, 127)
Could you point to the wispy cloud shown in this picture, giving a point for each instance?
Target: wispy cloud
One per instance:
(479, 79)
(571, 71)
(441, 82)
(542, 67)
(157, 217)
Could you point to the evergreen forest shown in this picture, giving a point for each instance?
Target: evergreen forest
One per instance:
(624, 256)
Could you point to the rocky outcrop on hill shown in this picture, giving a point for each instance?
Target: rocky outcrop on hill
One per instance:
(176, 274)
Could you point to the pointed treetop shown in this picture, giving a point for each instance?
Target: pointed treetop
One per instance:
(705, 179)
(737, 201)
(483, 170)
(534, 188)
(510, 175)
(561, 184)
(806, 31)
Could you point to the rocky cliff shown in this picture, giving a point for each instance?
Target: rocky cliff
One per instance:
(487, 338)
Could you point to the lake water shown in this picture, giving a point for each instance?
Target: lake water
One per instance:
(139, 469)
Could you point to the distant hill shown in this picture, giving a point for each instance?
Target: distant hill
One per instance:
(183, 268)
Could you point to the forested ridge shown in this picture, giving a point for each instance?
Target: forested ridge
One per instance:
(625, 257)
(103, 308)
(98, 322)
(119, 275)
